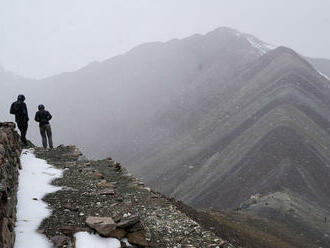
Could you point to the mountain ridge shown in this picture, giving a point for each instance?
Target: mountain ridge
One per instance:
(213, 120)
(284, 66)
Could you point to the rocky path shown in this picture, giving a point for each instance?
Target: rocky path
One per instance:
(104, 189)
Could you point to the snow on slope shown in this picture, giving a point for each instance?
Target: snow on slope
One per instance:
(261, 46)
(34, 183)
(323, 75)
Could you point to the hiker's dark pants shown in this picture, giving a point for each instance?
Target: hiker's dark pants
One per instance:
(46, 130)
(23, 126)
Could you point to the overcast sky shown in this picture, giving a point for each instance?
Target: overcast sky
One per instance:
(39, 38)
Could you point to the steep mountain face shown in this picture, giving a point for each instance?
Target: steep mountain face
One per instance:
(267, 132)
(265, 135)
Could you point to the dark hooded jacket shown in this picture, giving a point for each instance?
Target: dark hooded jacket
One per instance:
(19, 109)
(42, 116)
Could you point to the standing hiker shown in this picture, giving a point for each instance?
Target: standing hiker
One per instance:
(43, 117)
(20, 111)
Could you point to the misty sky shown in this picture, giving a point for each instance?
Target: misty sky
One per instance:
(39, 38)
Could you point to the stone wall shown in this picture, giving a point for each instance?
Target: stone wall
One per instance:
(10, 150)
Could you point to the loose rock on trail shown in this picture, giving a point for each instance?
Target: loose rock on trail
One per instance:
(101, 197)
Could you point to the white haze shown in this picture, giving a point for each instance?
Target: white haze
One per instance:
(40, 38)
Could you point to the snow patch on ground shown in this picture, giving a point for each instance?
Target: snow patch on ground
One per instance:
(323, 75)
(320, 73)
(87, 240)
(261, 46)
(34, 182)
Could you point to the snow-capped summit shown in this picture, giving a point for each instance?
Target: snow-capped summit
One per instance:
(261, 46)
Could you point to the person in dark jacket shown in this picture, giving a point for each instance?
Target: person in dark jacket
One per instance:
(43, 117)
(20, 111)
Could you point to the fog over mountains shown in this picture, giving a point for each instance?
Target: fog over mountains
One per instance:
(125, 92)
(211, 119)
(224, 110)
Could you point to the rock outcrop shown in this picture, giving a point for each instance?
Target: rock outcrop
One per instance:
(103, 225)
(10, 150)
